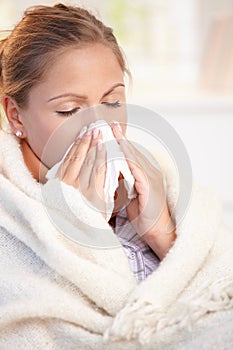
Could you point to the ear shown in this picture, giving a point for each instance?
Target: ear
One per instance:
(13, 115)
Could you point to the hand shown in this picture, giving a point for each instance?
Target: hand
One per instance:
(84, 167)
(148, 212)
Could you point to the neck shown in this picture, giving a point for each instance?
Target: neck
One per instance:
(35, 166)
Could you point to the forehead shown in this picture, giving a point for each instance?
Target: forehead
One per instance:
(89, 67)
(81, 62)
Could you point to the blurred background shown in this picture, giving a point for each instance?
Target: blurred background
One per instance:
(180, 54)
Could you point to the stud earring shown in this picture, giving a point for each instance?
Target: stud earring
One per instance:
(18, 133)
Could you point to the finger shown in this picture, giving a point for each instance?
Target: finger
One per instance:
(87, 167)
(88, 163)
(75, 145)
(62, 169)
(76, 159)
(117, 130)
(127, 148)
(135, 153)
(135, 160)
(99, 169)
(83, 178)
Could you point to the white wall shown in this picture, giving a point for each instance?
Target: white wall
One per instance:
(208, 137)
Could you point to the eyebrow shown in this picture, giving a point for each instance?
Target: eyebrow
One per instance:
(82, 97)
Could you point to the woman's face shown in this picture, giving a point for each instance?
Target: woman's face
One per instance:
(80, 78)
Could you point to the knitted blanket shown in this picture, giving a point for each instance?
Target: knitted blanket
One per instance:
(57, 294)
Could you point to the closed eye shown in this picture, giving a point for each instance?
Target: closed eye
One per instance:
(68, 113)
(112, 104)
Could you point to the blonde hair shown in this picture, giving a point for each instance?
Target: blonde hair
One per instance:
(31, 48)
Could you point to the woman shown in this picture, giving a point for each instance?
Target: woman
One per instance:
(54, 292)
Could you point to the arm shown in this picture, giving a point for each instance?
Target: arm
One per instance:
(160, 239)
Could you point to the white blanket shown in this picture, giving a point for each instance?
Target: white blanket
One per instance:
(56, 294)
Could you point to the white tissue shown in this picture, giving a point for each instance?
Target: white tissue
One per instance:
(116, 164)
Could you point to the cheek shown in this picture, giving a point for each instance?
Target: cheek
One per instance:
(39, 131)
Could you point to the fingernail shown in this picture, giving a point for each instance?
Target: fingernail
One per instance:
(100, 145)
(115, 122)
(95, 133)
(82, 132)
(89, 132)
(119, 127)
